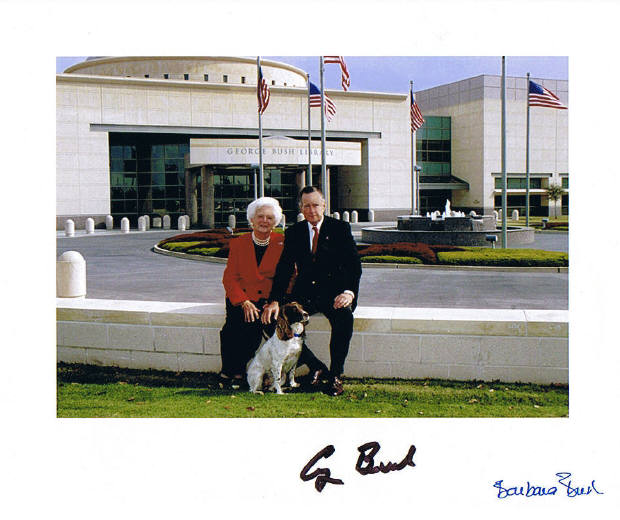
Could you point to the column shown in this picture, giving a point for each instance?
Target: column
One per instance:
(208, 197)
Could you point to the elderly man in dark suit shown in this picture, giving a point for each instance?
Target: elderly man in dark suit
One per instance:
(328, 277)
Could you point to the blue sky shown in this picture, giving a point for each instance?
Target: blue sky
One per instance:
(393, 73)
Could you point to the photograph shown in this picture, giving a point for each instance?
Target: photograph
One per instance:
(219, 235)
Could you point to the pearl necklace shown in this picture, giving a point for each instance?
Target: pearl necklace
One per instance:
(260, 242)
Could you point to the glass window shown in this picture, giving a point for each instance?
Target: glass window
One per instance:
(186, 76)
(225, 78)
(242, 79)
(206, 77)
(565, 183)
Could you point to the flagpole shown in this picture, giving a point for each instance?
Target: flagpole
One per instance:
(261, 191)
(324, 179)
(527, 158)
(413, 179)
(503, 156)
(309, 173)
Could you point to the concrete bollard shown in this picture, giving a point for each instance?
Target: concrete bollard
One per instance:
(141, 224)
(166, 221)
(336, 215)
(354, 217)
(90, 226)
(69, 228)
(147, 222)
(181, 223)
(300, 217)
(515, 214)
(472, 213)
(71, 275)
(371, 215)
(345, 216)
(156, 222)
(125, 225)
(232, 221)
(187, 223)
(283, 222)
(109, 223)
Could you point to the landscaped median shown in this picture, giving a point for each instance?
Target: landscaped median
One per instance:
(214, 244)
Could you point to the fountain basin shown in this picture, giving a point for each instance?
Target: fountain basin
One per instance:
(389, 235)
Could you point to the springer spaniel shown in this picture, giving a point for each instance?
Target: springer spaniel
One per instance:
(278, 356)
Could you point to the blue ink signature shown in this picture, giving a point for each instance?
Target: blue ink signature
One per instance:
(530, 490)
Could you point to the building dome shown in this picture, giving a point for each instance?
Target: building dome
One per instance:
(214, 69)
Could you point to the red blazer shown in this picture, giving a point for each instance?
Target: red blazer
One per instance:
(243, 279)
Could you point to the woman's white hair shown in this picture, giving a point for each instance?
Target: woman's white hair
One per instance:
(270, 202)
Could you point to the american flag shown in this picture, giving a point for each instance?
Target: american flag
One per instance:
(416, 116)
(315, 101)
(539, 96)
(262, 91)
(346, 79)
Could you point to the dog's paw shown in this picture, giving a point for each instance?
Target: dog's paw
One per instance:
(295, 384)
(259, 392)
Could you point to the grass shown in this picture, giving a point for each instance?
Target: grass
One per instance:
(88, 391)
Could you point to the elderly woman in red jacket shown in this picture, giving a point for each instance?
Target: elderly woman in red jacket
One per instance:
(247, 279)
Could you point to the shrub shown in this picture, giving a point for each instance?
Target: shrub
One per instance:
(386, 259)
(178, 246)
(415, 249)
(551, 225)
(505, 257)
(203, 251)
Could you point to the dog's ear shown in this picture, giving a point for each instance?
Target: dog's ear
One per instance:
(283, 328)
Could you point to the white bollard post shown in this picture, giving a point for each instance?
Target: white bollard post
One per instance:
(354, 217)
(187, 224)
(141, 224)
(515, 214)
(166, 221)
(90, 226)
(71, 275)
(157, 222)
(109, 223)
(124, 225)
(283, 222)
(336, 215)
(300, 217)
(232, 221)
(472, 213)
(181, 223)
(371, 215)
(147, 222)
(499, 215)
(69, 228)
(345, 216)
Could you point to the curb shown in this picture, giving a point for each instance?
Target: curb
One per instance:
(365, 265)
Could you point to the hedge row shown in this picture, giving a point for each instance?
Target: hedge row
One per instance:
(505, 258)
(427, 254)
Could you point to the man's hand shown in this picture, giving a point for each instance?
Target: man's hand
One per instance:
(343, 300)
(250, 312)
(269, 310)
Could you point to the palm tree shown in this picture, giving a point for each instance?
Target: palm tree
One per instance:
(554, 192)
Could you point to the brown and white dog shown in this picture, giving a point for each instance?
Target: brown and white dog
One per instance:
(278, 356)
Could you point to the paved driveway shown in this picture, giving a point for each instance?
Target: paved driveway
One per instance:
(123, 267)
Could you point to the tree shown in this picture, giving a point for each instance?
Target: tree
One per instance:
(554, 192)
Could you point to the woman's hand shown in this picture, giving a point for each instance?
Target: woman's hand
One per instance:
(250, 312)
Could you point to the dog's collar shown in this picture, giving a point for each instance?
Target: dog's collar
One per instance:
(297, 335)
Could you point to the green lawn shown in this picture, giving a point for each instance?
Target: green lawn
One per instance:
(86, 391)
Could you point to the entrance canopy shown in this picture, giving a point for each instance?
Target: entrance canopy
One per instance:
(276, 150)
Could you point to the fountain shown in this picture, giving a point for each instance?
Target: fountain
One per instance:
(447, 228)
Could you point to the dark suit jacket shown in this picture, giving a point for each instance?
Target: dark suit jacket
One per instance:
(243, 278)
(335, 268)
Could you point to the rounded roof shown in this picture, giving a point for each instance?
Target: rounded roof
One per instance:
(99, 60)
